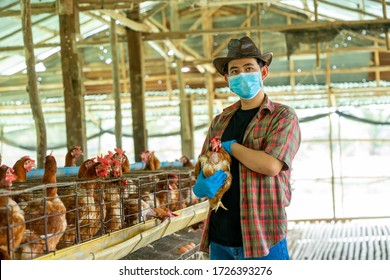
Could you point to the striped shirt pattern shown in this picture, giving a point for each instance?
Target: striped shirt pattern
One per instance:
(275, 130)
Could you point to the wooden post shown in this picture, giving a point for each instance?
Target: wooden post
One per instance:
(186, 120)
(32, 86)
(259, 7)
(207, 50)
(209, 80)
(385, 17)
(174, 15)
(71, 63)
(168, 62)
(318, 58)
(377, 64)
(116, 83)
(187, 128)
(248, 14)
(123, 69)
(137, 85)
(292, 77)
(1, 143)
(168, 80)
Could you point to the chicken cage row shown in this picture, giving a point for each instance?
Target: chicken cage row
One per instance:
(34, 224)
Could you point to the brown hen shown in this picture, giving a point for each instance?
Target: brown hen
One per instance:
(12, 223)
(215, 158)
(45, 217)
(186, 162)
(151, 161)
(123, 159)
(84, 209)
(22, 166)
(72, 155)
(112, 199)
(84, 166)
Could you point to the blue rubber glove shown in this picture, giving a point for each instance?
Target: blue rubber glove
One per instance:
(210, 185)
(227, 145)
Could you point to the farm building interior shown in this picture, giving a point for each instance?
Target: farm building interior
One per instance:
(138, 75)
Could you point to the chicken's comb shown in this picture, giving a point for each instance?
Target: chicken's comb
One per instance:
(27, 158)
(103, 160)
(78, 148)
(119, 151)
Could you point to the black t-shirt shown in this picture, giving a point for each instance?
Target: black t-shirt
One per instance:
(225, 227)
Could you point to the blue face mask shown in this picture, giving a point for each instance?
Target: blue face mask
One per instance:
(246, 85)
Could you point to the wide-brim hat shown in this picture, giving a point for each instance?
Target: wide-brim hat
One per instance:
(241, 48)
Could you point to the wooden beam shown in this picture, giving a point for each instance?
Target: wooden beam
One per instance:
(158, 8)
(169, 43)
(191, 77)
(385, 23)
(32, 86)
(275, 9)
(224, 44)
(9, 6)
(213, 3)
(136, 26)
(97, 16)
(36, 8)
(106, 41)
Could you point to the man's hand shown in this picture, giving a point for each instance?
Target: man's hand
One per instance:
(210, 185)
(227, 145)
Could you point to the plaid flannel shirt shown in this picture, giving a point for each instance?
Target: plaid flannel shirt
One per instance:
(275, 130)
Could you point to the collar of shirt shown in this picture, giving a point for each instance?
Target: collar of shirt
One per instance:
(266, 105)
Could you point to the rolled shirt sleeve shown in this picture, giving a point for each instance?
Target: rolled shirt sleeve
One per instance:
(283, 138)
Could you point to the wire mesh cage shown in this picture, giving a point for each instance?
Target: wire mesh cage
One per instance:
(37, 218)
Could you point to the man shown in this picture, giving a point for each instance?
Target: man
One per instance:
(262, 138)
